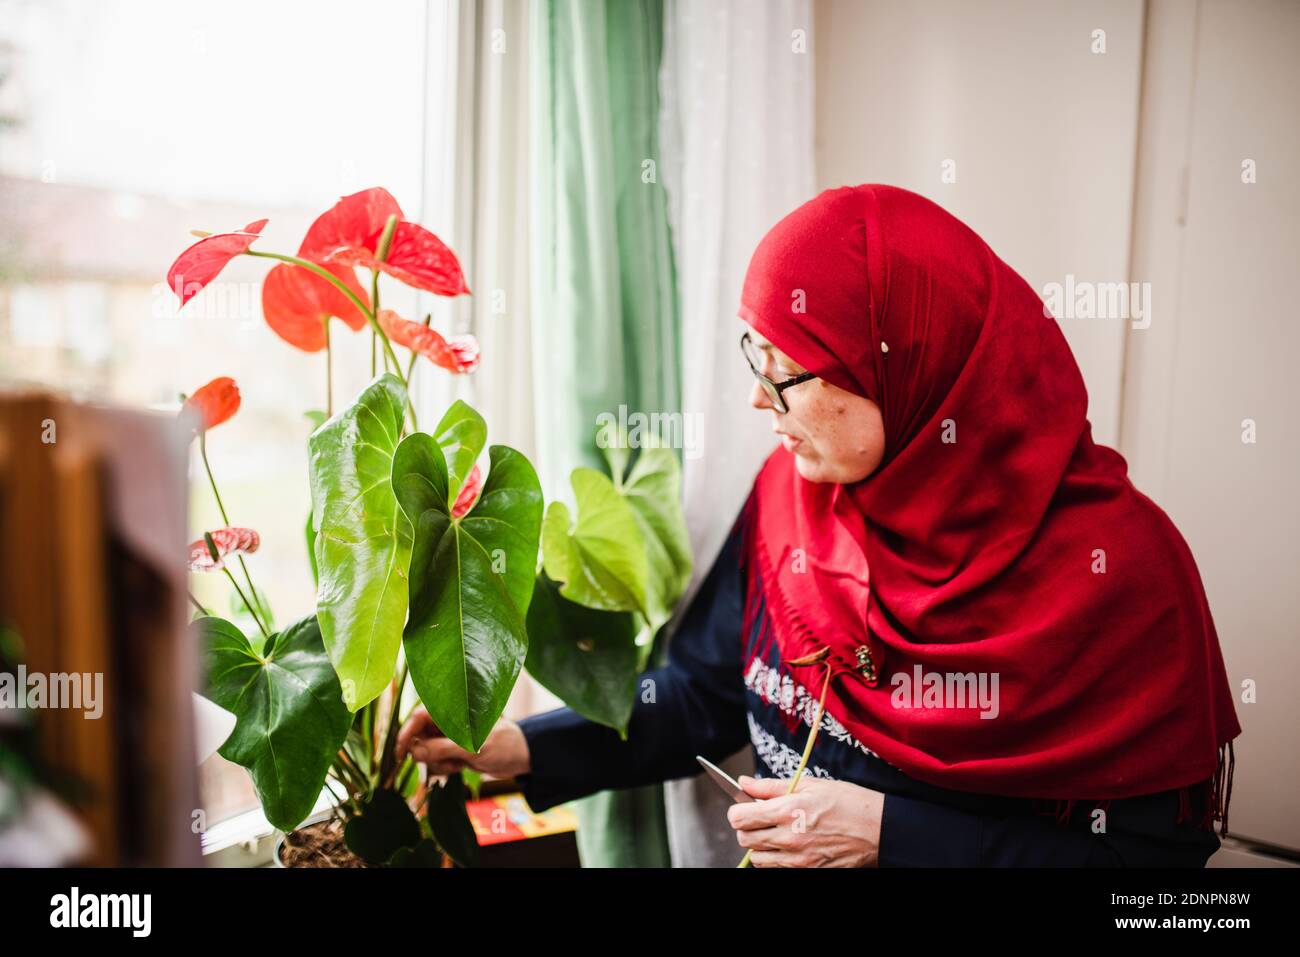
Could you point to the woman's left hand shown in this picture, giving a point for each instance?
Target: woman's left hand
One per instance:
(822, 824)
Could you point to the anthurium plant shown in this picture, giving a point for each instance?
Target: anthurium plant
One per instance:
(440, 571)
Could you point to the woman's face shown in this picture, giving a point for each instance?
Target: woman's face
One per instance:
(835, 436)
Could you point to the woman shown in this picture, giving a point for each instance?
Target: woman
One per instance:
(1023, 669)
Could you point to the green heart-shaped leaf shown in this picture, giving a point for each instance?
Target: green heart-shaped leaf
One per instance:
(601, 560)
(450, 823)
(507, 521)
(461, 434)
(653, 490)
(384, 826)
(288, 705)
(465, 639)
(585, 656)
(423, 855)
(612, 440)
(311, 549)
(363, 539)
(317, 419)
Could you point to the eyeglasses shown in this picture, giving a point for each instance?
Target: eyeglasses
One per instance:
(773, 389)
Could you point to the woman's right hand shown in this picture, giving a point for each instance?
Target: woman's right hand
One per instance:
(504, 754)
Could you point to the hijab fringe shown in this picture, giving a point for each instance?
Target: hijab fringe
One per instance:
(757, 619)
(1213, 795)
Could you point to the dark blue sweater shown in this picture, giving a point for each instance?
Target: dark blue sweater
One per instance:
(704, 702)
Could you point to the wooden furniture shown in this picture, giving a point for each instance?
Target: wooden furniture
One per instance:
(92, 537)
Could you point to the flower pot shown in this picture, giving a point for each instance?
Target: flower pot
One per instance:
(328, 849)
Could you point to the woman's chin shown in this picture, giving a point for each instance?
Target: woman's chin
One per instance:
(821, 471)
(811, 469)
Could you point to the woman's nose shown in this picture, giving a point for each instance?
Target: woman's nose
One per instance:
(759, 398)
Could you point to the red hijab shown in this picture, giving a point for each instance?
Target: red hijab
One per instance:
(1000, 538)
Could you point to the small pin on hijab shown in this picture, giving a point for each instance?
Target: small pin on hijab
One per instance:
(884, 346)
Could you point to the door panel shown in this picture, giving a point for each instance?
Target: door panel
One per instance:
(1220, 88)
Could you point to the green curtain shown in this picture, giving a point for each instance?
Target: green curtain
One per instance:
(605, 320)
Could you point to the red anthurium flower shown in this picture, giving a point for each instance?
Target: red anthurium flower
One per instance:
(455, 354)
(229, 541)
(215, 402)
(354, 222)
(464, 352)
(468, 493)
(418, 258)
(296, 302)
(349, 233)
(199, 265)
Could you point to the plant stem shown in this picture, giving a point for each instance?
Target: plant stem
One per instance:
(368, 735)
(197, 605)
(329, 372)
(343, 774)
(256, 595)
(371, 315)
(347, 772)
(336, 281)
(340, 773)
(807, 749)
(361, 782)
(388, 367)
(404, 772)
(247, 603)
(207, 467)
(203, 452)
(387, 759)
(410, 365)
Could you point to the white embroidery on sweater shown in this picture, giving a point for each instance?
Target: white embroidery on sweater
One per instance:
(781, 760)
(793, 698)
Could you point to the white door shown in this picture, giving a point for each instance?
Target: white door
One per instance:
(1221, 106)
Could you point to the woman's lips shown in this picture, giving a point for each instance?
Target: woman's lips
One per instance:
(790, 442)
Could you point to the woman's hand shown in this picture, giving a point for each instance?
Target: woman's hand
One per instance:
(504, 754)
(822, 824)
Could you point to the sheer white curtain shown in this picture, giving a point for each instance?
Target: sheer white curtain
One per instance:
(737, 140)
(476, 169)
(476, 188)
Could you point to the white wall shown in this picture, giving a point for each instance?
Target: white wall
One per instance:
(1041, 130)
(1222, 256)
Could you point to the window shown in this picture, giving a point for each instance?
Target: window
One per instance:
(126, 123)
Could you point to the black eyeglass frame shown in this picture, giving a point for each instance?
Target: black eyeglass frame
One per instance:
(771, 386)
